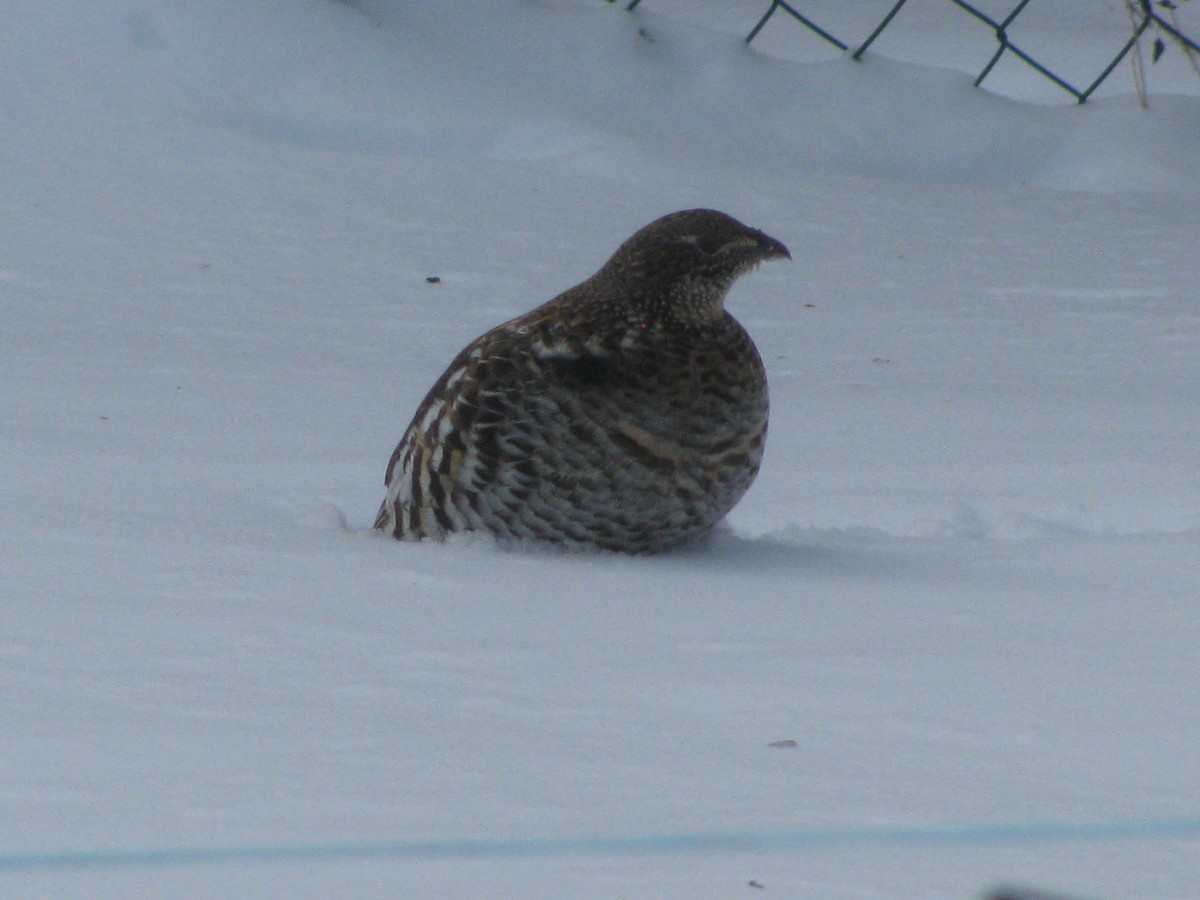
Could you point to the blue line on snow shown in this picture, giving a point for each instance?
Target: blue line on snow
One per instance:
(529, 848)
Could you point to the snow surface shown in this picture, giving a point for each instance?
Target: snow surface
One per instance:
(966, 584)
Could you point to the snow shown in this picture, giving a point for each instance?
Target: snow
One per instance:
(966, 583)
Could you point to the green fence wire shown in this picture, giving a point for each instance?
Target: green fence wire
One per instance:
(1145, 14)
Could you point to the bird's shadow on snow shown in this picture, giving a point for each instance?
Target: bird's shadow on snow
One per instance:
(815, 553)
(793, 552)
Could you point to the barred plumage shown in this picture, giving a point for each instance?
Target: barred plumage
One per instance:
(627, 413)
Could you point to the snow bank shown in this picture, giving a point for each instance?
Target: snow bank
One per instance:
(965, 584)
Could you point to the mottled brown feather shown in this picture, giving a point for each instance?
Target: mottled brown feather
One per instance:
(627, 413)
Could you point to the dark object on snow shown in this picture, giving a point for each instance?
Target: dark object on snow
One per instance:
(1010, 892)
(627, 413)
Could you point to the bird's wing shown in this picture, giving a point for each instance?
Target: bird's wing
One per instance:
(468, 429)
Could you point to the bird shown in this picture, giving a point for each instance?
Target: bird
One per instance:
(629, 413)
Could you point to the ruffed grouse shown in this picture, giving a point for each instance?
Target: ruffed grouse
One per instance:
(627, 413)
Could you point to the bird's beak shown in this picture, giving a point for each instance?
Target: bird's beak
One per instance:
(770, 248)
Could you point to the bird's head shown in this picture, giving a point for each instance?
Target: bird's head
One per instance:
(683, 265)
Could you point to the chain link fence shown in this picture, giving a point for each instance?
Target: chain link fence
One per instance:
(1156, 16)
